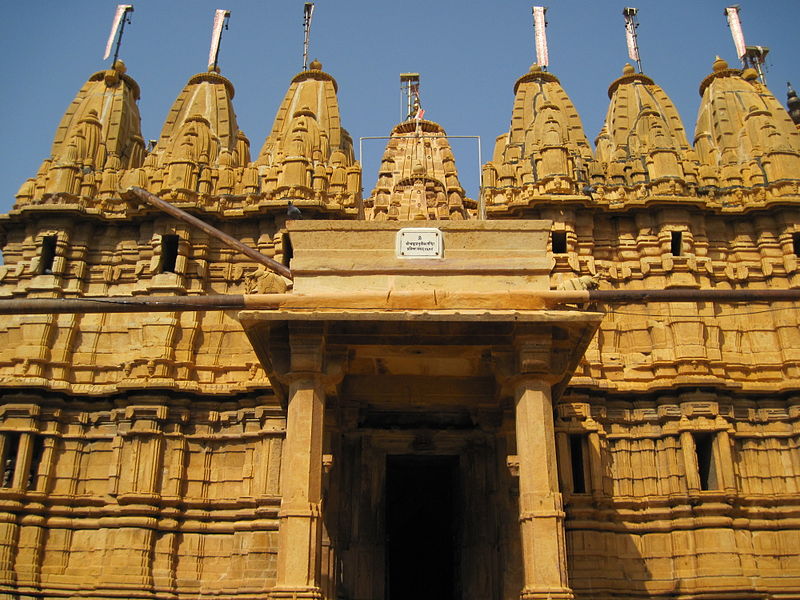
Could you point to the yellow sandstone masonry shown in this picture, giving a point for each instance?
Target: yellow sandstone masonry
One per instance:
(597, 453)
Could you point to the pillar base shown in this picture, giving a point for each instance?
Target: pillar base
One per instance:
(546, 594)
(298, 593)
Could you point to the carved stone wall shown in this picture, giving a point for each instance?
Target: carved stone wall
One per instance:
(141, 453)
(678, 437)
(680, 493)
(105, 353)
(142, 492)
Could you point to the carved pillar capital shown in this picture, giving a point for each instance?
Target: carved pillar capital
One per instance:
(533, 351)
(307, 347)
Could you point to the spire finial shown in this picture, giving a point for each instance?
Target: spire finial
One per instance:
(121, 16)
(793, 102)
(221, 17)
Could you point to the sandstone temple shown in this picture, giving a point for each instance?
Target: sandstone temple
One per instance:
(401, 418)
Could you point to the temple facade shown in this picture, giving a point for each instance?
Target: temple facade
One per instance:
(397, 426)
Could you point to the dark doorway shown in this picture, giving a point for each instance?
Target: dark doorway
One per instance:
(421, 547)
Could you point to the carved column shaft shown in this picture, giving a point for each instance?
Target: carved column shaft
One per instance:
(690, 460)
(728, 482)
(47, 462)
(300, 533)
(541, 510)
(596, 464)
(565, 464)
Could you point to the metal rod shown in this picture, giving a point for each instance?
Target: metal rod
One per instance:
(692, 295)
(481, 200)
(125, 19)
(308, 13)
(229, 241)
(125, 304)
(631, 25)
(427, 300)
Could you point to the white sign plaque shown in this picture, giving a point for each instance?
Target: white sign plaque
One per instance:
(419, 242)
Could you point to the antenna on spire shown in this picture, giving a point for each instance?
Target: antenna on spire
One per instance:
(753, 57)
(409, 86)
(540, 35)
(631, 25)
(308, 13)
(220, 22)
(121, 16)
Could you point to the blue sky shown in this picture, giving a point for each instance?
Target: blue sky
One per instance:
(469, 54)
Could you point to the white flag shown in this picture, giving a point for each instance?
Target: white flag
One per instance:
(216, 34)
(630, 33)
(541, 35)
(736, 30)
(121, 10)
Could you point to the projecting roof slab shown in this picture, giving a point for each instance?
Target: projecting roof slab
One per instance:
(340, 260)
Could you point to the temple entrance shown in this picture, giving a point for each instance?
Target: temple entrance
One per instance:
(422, 550)
(418, 514)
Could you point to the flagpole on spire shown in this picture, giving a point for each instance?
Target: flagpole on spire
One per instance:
(632, 38)
(308, 13)
(220, 22)
(753, 57)
(121, 16)
(409, 86)
(735, 25)
(540, 36)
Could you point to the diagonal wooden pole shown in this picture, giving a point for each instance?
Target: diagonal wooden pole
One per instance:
(223, 237)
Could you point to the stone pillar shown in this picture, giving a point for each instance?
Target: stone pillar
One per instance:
(541, 511)
(690, 462)
(300, 533)
(596, 465)
(725, 464)
(565, 464)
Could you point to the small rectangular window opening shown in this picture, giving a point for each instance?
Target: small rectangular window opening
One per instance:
(577, 461)
(9, 458)
(559, 242)
(288, 250)
(169, 252)
(48, 254)
(706, 465)
(796, 243)
(36, 459)
(676, 242)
